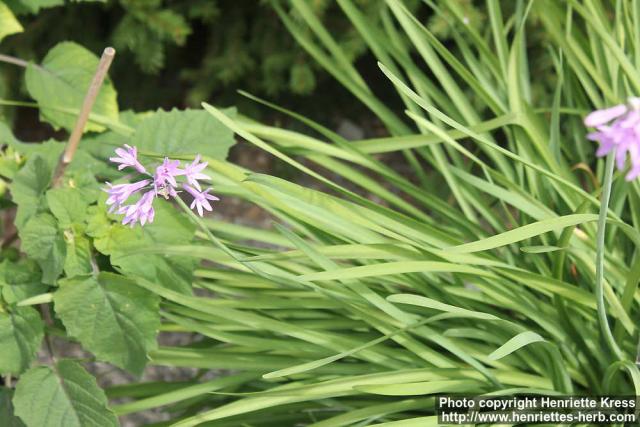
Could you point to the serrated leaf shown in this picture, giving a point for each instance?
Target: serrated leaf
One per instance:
(80, 176)
(65, 396)
(9, 418)
(78, 259)
(8, 22)
(68, 205)
(121, 243)
(50, 150)
(43, 242)
(20, 280)
(21, 332)
(111, 317)
(29, 186)
(62, 81)
(184, 132)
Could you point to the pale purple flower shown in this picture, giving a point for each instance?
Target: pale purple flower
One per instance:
(118, 194)
(128, 156)
(164, 183)
(601, 117)
(166, 174)
(200, 199)
(193, 172)
(618, 131)
(142, 211)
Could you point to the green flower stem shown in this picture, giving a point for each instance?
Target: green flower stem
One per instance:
(249, 264)
(198, 221)
(600, 248)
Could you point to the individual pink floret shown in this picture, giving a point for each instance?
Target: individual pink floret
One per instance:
(193, 172)
(118, 194)
(142, 211)
(200, 199)
(128, 156)
(618, 131)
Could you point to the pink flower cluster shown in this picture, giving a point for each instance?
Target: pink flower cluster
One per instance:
(618, 128)
(163, 183)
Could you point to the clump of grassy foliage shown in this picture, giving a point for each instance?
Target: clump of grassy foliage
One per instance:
(486, 270)
(475, 275)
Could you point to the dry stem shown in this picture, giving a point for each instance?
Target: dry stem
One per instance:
(87, 105)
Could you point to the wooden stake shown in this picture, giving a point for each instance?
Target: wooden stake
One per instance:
(87, 105)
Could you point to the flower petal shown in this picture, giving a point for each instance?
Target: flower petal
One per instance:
(601, 117)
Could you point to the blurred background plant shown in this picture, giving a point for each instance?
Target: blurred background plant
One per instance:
(182, 52)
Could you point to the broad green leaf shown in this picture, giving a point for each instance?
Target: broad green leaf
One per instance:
(9, 419)
(29, 186)
(78, 260)
(111, 317)
(184, 132)
(515, 343)
(67, 205)
(50, 150)
(122, 244)
(81, 177)
(20, 280)
(21, 332)
(9, 163)
(8, 22)
(62, 81)
(44, 242)
(64, 395)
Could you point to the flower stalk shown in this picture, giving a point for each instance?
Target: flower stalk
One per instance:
(600, 249)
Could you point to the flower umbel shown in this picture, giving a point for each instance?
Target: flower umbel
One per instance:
(163, 183)
(618, 128)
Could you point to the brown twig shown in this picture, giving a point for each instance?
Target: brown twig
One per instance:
(19, 62)
(87, 105)
(13, 60)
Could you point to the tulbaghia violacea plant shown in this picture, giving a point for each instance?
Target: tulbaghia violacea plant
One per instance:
(165, 182)
(618, 128)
